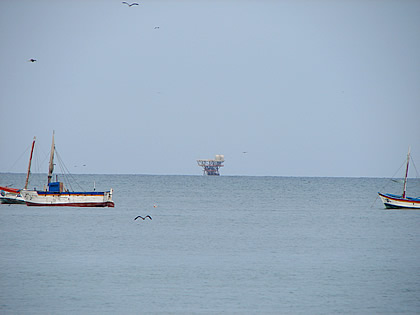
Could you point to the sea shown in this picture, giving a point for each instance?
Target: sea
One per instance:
(215, 245)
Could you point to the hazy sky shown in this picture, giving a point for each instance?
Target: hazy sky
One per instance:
(307, 88)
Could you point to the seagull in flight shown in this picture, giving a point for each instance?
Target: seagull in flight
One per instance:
(32, 60)
(130, 5)
(147, 216)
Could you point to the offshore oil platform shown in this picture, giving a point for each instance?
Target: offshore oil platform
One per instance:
(211, 167)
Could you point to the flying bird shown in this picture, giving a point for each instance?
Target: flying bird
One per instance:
(32, 60)
(130, 5)
(147, 216)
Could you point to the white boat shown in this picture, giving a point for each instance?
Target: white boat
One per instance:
(57, 195)
(9, 195)
(392, 201)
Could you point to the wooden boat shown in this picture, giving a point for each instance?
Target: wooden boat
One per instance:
(57, 195)
(392, 201)
(10, 195)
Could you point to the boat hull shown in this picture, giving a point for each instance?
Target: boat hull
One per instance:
(397, 202)
(10, 196)
(67, 199)
(12, 200)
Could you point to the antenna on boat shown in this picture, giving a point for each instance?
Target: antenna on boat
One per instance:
(94, 186)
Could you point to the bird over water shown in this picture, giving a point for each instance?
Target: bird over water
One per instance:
(147, 216)
(130, 5)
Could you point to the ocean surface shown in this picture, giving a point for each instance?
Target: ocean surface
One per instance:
(247, 245)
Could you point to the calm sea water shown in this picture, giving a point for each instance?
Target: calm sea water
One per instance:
(215, 245)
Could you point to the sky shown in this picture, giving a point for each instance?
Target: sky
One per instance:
(306, 88)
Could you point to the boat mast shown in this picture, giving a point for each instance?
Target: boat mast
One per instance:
(29, 166)
(406, 173)
(51, 167)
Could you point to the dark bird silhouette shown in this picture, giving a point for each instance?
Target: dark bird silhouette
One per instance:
(147, 216)
(130, 5)
(32, 60)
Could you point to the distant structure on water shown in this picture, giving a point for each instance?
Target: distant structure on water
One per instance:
(211, 167)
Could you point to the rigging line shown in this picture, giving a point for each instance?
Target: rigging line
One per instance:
(63, 170)
(68, 173)
(412, 162)
(39, 164)
(377, 197)
(387, 184)
(20, 157)
(45, 158)
(37, 160)
(393, 176)
(60, 164)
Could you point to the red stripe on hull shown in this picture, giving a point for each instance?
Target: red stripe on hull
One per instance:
(401, 199)
(9, 189)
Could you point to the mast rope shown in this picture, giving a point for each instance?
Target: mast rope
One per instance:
(65, 172)
(412, 162)
(388, 182)
(19, 158)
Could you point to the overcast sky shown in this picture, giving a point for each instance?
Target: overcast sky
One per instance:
(306, 88)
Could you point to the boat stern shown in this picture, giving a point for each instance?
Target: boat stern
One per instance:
(108, 198)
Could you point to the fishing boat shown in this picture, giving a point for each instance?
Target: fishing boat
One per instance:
(10, 195)
(57, 195)
(392, 201)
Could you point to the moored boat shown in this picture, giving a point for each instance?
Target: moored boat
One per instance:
(58, 195)
(10, 195)
(397, 202)
(392, 201)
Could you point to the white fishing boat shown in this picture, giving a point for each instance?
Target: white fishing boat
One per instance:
(57, 195)
(9, 195)
(392, 201)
